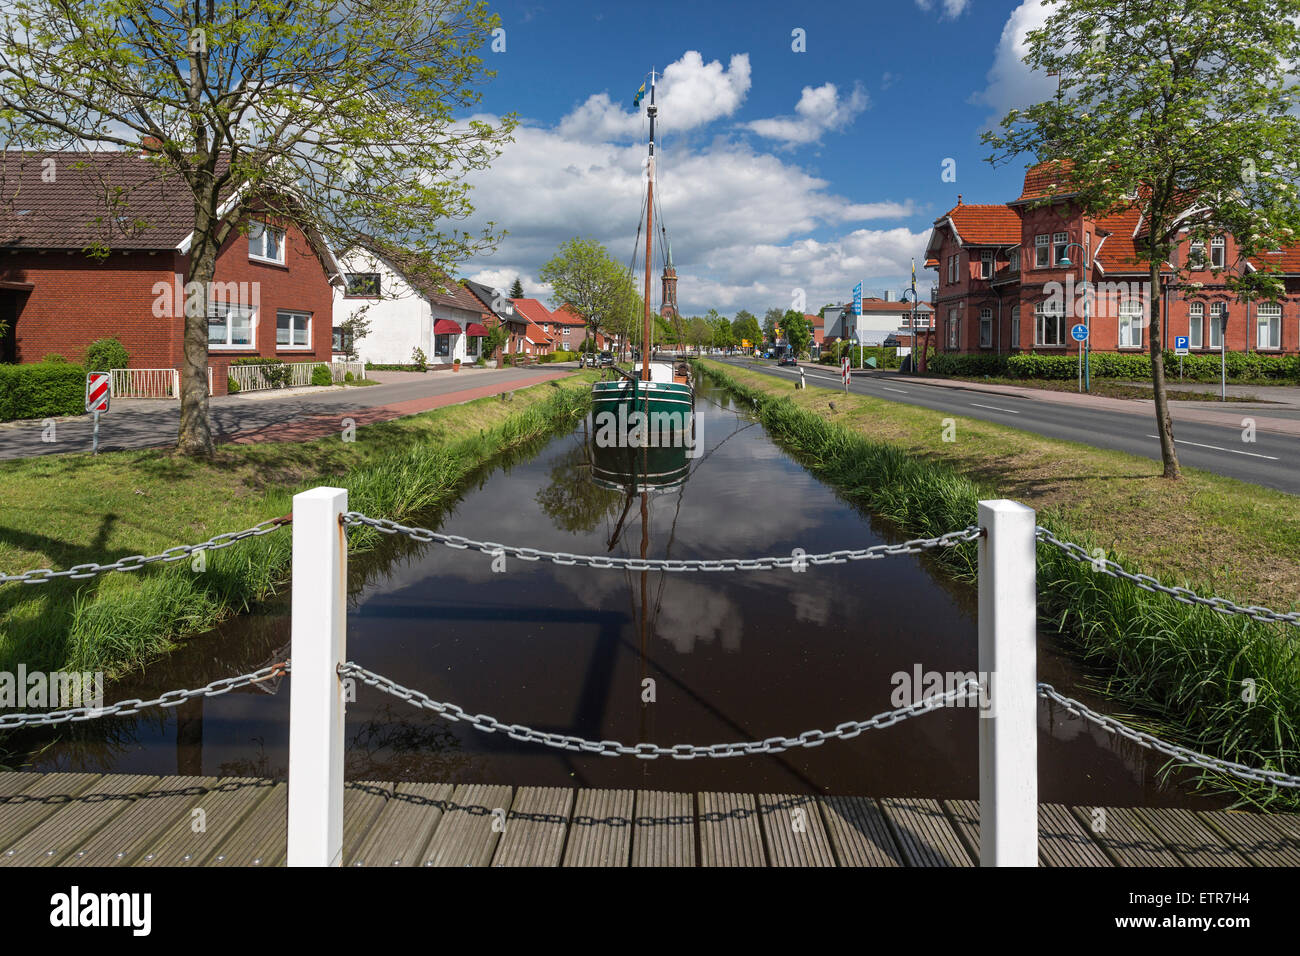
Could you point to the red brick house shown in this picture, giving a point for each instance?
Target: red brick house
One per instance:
(539, 339)
(273, 287)
(1011, 274)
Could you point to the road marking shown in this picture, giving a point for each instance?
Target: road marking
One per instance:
(1234, 451)
(995, 408)
(898, 390)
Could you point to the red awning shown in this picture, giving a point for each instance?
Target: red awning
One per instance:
(446, 327)
(474, 329)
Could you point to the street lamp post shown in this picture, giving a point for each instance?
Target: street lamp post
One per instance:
(1085, 350)
(912, 293)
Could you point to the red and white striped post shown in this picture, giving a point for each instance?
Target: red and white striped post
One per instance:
(316, 692)
(1008, 664)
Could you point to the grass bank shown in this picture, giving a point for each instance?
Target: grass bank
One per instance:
(73, 509)
(1182, 670)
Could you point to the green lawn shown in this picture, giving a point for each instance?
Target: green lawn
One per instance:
(62, 510)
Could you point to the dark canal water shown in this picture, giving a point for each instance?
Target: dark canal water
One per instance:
(733, 656)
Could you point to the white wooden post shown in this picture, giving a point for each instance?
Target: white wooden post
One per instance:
(1008, 661)
(319, 635)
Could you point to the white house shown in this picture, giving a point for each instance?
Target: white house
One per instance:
(408, 309)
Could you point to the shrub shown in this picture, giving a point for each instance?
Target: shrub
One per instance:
(105, 354)
(41, 390)
(321, 375)
(54, 358)
(275, 373)
(232, 387)
(418, 358)
(348, 376)
(945, 363)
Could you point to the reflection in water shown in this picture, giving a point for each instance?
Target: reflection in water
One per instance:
(732, 655)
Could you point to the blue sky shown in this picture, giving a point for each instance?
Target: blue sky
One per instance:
(779, 170)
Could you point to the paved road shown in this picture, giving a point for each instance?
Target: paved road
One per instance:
(1272, 461)
(146, 424)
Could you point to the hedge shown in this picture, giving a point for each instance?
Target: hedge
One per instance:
(41, 390)
(105, 354)
(1241, 366)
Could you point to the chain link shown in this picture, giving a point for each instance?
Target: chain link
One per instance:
(1148, 583)
(646, 751)
(1181, 754)
(664, 564)
(124, 707)
(137, 561)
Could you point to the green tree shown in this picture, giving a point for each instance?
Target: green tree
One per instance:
(311, 114)
(771, 322)
(1185, 109)
(797, 331)
(517, 290)
(745, 326)
(724, 335)
(585, 276)
(698, 332)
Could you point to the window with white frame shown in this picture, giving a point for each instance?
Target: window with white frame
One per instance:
(1049, 324)
(1042, 251)
(1130, 323)
(1269, 317)
(1196, 254)
(1216, 324)
(1013, 260)
(1060, 241)
(952, 268)
(230, 326)
(1015, 326)
(265, 243)
(986, 328)
(292, 330)
(1196, 325)
(986, 264)
(954, 322)
(1218, 253)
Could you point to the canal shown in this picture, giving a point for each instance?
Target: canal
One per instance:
(724, 656)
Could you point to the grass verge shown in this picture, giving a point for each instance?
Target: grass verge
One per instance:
(73, 509)
(1187, 672)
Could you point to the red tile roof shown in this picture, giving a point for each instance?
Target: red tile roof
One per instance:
(981, 224)
(533, 311)
(152, 207)
(567, 315)
(1046, 179)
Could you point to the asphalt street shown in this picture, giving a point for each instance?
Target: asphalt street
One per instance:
(1272, 460)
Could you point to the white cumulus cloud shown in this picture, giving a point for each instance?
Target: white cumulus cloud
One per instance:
(819, 110)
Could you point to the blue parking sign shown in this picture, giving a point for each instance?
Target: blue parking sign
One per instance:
(1180, 345)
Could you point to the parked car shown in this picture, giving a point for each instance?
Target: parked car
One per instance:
(606, 359)
(788, 359)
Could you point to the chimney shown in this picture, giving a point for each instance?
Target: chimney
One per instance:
(150, 144)
(959, 199)
(889, 295)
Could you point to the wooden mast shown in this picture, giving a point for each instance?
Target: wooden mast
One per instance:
(649, 232)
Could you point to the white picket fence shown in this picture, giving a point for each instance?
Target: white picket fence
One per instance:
(148, 382)
(273, 375)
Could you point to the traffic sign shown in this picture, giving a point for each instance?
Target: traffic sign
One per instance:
(1079, 332)
(97, 391)
(1180, 345)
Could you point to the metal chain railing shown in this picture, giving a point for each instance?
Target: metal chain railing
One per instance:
(663, 564)
(646, 751)
(135, 705)
(137, 561)
(1148, 583)
(1181, 754)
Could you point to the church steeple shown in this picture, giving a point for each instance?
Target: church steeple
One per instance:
(668, 296)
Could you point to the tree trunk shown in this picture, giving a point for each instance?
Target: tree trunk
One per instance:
(195, 438)
(1164, 424)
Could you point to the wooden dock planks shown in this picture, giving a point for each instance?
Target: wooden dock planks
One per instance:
(91, 819)
(535, 827)
(601, 831)
(793, 830)
(729, 831)
(663, 830)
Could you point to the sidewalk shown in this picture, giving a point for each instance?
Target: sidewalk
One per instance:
(1180, 411)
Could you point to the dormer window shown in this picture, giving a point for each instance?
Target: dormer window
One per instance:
(266, 243)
